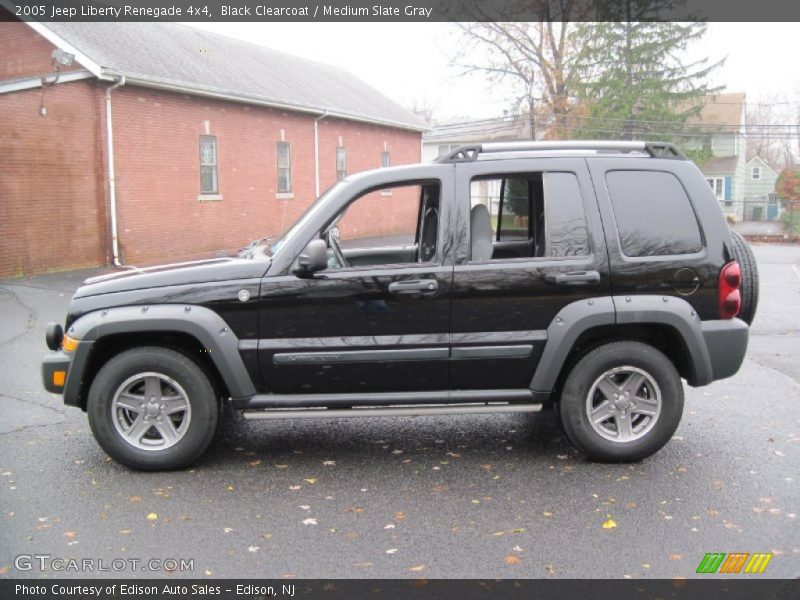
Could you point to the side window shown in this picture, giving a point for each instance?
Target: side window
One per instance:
(537, 215)
(653, 213)
(208, 165)
(375, 229)
(284, 168)
(341, 163)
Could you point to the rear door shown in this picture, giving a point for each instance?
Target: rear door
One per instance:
(547, 251)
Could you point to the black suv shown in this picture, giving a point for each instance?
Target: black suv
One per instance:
(589, 276)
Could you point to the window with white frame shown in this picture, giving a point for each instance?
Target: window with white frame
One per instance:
(385, 159)
(341, 163)
(209, 183)
(718, 186)
(755, 173)
(284, 168)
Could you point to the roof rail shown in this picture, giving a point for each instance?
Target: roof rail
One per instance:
(472, 152)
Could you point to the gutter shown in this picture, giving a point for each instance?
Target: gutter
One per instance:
(112, 186)
(316, 152)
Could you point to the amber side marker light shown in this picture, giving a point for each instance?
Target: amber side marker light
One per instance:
(59, 377)
(68, 344)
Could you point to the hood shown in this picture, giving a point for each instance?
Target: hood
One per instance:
(201, 271)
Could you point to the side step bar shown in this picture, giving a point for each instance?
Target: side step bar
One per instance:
(390, 411)
(371, 399)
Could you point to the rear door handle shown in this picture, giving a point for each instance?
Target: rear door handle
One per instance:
(576, 278)
(414, 286)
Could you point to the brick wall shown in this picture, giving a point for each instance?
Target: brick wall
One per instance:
(51, 196)
(53, 185)
(156, 137)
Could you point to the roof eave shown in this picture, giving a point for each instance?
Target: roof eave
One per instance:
(132, 79)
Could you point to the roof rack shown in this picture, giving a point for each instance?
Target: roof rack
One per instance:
(471, 153)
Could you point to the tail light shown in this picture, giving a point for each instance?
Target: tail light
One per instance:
(729, 300)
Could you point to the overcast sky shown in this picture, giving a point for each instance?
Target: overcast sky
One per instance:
(409, 62)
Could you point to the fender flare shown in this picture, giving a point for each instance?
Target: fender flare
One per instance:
(201, 323)
(582, 315)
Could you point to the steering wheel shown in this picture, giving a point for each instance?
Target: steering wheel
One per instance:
(337, 252)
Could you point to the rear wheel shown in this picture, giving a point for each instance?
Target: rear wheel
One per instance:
(152, 408)
(621, 402)
(749, 268)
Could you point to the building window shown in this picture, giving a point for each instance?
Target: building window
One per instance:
(385, 159)
(209, 182)
(755, 173)
(341, 163)
(718, 186)
(284, 168)
(446, 149)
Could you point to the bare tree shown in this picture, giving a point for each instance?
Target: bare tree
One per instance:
(772, 129)
(535, 58)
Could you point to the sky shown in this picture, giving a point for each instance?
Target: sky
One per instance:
(410, 62)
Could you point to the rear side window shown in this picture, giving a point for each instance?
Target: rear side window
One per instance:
(654, 215)
(536, 215)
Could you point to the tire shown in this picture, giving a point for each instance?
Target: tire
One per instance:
(660, 394)
(150, 436)
(749, 288)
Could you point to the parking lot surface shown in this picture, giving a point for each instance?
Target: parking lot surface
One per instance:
(466, 496)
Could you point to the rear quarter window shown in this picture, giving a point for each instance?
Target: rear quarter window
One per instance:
(653, 213)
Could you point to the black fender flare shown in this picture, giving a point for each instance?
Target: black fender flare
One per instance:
(582, 315)
(201, 323)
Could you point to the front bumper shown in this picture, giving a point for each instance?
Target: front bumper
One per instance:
(55, 370)
(726, 341)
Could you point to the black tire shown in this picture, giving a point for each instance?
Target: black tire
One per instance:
(574, 412)
(165, 363)
(749, 288)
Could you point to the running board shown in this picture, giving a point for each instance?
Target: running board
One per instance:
(372, 399)
(390, 411)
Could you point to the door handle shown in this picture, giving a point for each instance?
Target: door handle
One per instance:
(414, 286)
(576, 278)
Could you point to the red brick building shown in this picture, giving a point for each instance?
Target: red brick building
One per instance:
(183, 142)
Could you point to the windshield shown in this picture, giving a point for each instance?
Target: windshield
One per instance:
(275, 245)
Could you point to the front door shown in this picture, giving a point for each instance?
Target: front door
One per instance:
(377, 318)
(532, 250)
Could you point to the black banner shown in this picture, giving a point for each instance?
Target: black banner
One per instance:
(409, 589)
(401, 10)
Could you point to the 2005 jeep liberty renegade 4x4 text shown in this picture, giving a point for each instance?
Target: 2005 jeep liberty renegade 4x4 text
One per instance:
(588, 276)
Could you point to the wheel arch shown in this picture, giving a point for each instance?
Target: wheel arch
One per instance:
(667, 323)
(195, 331)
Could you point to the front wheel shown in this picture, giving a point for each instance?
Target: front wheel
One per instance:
(621, 402)
(152, 408)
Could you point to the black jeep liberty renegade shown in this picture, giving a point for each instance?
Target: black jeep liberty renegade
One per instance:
(590, 276)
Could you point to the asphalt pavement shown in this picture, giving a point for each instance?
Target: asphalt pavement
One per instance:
(456, 497)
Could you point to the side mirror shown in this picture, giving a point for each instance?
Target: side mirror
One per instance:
(312, 259)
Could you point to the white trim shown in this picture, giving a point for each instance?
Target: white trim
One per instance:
(209, 197)
(29, 83)
(93, 67)
(763, 163)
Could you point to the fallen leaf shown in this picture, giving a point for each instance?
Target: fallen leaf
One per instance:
(135, 498)
(255, 463)
(125, 531)
(675, 556)
(550, 569)
(230, 488)
(417, 568)
(329, 463)
(152, 517)
(208, 573)
(227, 529)
(610, 524)
(294, 488)
(70, 534)
(309, 521)
(391, 551)
(254, 548)
(547, 513)
(399, 516)
(389, 526)
(511, 559)
(311, 481)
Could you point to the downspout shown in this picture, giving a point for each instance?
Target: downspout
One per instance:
(112, 186)
(316, 152)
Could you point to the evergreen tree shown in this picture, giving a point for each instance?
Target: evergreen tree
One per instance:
(635, 81)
